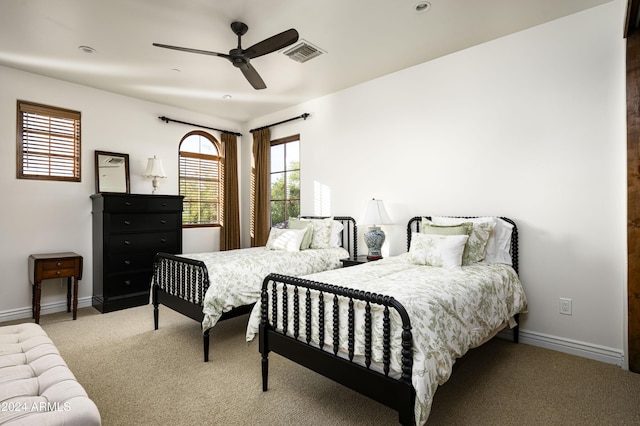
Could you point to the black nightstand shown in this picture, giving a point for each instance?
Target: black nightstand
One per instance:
(352, 261)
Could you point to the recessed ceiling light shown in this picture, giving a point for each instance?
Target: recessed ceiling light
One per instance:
(87, 49)
(423, 6)
(226, 96)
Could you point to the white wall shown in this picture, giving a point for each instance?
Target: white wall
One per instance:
(529, 126)
(41, 216)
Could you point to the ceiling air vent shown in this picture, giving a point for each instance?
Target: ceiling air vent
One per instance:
(115, 160)
(303, 51)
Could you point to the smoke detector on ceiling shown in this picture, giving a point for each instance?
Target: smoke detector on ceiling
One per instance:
(303, 51)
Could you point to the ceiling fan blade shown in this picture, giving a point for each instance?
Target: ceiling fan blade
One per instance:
(252, 75)
(272, 44)
(186, 49)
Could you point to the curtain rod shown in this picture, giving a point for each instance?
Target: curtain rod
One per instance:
(303, 116)
(167, 120)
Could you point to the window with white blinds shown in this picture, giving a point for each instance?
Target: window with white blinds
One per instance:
(48, 143)
(200, 180)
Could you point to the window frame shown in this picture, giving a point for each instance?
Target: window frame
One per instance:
(64, 142)
(286, 200)
(219, 158)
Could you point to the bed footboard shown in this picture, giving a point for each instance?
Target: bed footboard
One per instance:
(279, 336)
(180, 284)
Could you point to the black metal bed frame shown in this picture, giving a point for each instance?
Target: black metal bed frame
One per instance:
(181, 283)
(397, 394)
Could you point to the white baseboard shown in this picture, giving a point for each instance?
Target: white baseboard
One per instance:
(560, 344)
(47, 308)
(573, 347)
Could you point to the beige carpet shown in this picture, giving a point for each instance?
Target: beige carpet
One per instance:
(138, 376)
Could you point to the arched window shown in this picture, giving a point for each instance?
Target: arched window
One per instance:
(200, 179)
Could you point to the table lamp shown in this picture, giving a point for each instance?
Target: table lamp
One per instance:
(154, 170)
(375, 214)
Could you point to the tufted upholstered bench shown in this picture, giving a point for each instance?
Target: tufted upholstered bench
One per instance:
(36, 386)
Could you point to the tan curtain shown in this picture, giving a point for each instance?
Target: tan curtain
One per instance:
(230, 231)
(260, 188)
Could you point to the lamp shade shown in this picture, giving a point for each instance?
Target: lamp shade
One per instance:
(154, 168)
(375, 214)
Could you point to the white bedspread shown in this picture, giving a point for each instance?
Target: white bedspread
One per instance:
(451, 311)
(235, 276)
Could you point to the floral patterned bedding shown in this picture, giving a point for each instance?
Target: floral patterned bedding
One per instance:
(451, 311)
(236, 276)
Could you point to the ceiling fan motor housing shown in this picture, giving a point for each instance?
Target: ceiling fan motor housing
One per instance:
(239, 28)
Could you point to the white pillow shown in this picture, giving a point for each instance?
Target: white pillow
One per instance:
(476, 248)
(285, 239)
(498, 248)
(336, 228)
(437, 250)
(308, 228)
(499, 244)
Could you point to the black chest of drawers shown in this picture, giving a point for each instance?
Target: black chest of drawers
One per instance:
(128, 230)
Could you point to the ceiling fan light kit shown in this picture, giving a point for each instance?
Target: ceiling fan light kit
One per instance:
(87, 49)
(422, 6)
(240, 58)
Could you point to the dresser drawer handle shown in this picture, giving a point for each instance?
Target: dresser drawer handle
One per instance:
(57, 272)
(163, 222)
(58, 264)
(126, 242)
(164, 204)
(127, 262)
(163, 240)
(127, 283)
(126, 222)
(127, 203)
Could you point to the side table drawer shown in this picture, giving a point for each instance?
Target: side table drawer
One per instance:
(57, 273)
(57, 268)
(59, 264)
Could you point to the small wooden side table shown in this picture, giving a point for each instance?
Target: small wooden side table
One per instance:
(358, 260)
(54, 265)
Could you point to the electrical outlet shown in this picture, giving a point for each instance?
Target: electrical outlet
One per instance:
(565, 306)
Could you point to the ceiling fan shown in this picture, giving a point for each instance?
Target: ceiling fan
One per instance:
(240, 57)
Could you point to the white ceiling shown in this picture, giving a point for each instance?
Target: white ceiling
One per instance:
(364, 39)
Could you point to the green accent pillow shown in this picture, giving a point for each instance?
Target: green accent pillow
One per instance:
(307, 226)
(429, 228)
(476, 246)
